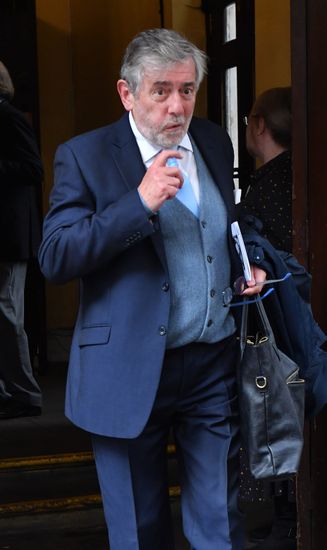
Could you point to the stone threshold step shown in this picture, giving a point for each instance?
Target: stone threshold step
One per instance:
(43, 506)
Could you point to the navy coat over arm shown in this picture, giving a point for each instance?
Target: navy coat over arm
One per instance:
(290, 315)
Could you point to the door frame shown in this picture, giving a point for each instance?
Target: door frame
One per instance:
(309, 109)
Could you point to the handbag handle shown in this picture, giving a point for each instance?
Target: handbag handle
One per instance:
(244, 326)
(264, 320)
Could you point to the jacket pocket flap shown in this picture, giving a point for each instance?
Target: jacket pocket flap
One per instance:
(90, 336)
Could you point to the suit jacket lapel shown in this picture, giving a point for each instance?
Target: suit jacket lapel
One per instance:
(126, 154)
(130, 164)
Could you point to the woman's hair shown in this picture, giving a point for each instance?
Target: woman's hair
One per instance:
(6, 86)
(156, 49)
(274, 105)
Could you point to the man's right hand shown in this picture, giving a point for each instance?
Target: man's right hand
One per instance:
(161, 182)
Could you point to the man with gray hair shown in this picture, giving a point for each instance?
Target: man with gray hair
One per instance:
(140, 213)
(21, 175)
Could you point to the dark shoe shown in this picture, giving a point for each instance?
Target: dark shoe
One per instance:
(282, 537)
(260, 534)
(17, 410)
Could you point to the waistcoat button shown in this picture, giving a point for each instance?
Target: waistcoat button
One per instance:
(162, 330)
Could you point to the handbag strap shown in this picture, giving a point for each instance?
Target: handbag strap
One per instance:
(244, 327)
(264, 320)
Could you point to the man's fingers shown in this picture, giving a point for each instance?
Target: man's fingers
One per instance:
(252, 290)
(174, 172)
(258, 274)
(163, 156)
(175, 183)
(161, 182)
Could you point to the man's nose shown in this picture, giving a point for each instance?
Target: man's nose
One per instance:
(175, 106)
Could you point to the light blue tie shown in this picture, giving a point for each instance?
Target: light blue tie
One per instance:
(185, 193)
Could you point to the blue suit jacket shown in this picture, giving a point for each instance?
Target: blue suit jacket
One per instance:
(97, 230)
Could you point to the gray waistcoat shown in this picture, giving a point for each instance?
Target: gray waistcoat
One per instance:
(199, 265)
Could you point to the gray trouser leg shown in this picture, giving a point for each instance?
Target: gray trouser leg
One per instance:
(16, 375)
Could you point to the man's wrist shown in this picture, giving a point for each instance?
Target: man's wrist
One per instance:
(148, 210)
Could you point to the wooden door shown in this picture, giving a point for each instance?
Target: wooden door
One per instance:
(309, 85)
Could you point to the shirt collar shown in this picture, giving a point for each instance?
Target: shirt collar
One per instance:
(149, 150)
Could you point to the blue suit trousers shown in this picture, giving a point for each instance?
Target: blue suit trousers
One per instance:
(196, 399)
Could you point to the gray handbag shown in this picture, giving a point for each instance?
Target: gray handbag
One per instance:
(271, 400)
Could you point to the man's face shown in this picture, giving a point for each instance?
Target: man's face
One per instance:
(164, 103)
(251, 135)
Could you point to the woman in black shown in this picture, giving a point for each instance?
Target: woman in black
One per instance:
(269, 198)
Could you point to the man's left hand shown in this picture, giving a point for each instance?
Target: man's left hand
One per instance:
(258, 275)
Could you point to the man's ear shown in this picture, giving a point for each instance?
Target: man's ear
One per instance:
(126, 96)
(261, 125)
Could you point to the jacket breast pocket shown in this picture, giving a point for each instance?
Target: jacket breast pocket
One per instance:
(94, 335)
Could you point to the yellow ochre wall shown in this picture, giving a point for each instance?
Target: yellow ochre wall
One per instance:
(272, 44)
(80, 45)
(56, 103)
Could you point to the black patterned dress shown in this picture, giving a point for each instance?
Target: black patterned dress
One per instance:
(269, 198)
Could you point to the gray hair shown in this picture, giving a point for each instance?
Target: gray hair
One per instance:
(6, 86)
(158, 48)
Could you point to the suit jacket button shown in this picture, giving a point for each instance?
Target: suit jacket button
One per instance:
(165, 286)
(162, 330)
